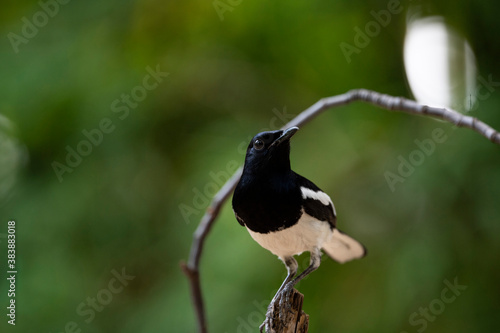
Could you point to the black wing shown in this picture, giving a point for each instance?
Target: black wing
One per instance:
(316, 202)
(239, 219)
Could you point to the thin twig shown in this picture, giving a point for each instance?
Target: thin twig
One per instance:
(191, 269)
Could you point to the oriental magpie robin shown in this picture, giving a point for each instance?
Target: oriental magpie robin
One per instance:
(285, 212)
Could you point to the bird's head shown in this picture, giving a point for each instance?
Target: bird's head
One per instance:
(269, 151)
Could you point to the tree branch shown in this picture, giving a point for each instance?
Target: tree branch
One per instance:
(191, 269)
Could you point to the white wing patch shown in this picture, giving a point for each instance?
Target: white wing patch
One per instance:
(322, 197)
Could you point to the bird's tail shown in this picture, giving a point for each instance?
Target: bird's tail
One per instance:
(343, 248)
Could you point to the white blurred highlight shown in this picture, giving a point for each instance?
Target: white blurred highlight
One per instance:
(440, 65)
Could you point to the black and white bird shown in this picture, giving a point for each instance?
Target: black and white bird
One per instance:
(286, 213)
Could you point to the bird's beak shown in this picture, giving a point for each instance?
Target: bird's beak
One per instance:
(287, 134)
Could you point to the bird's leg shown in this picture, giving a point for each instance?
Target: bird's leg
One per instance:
(291, 267)
(313, 265)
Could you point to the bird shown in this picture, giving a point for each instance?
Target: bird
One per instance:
(286, 213)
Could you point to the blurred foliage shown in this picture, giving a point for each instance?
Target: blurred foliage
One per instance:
(120, 207)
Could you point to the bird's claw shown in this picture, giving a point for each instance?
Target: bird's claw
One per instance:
(284, 305)
(282, 300)
(263, 325)
(267, 322)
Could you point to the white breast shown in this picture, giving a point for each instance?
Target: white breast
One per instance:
(306, 234)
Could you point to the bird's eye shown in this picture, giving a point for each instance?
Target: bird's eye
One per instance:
(258, 144)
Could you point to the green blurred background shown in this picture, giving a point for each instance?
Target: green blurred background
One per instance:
(134, 201)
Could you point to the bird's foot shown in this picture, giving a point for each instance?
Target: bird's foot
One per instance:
(266, 324)
(284, 301)
(279, 307)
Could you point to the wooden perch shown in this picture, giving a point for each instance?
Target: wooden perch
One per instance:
(295, 321)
